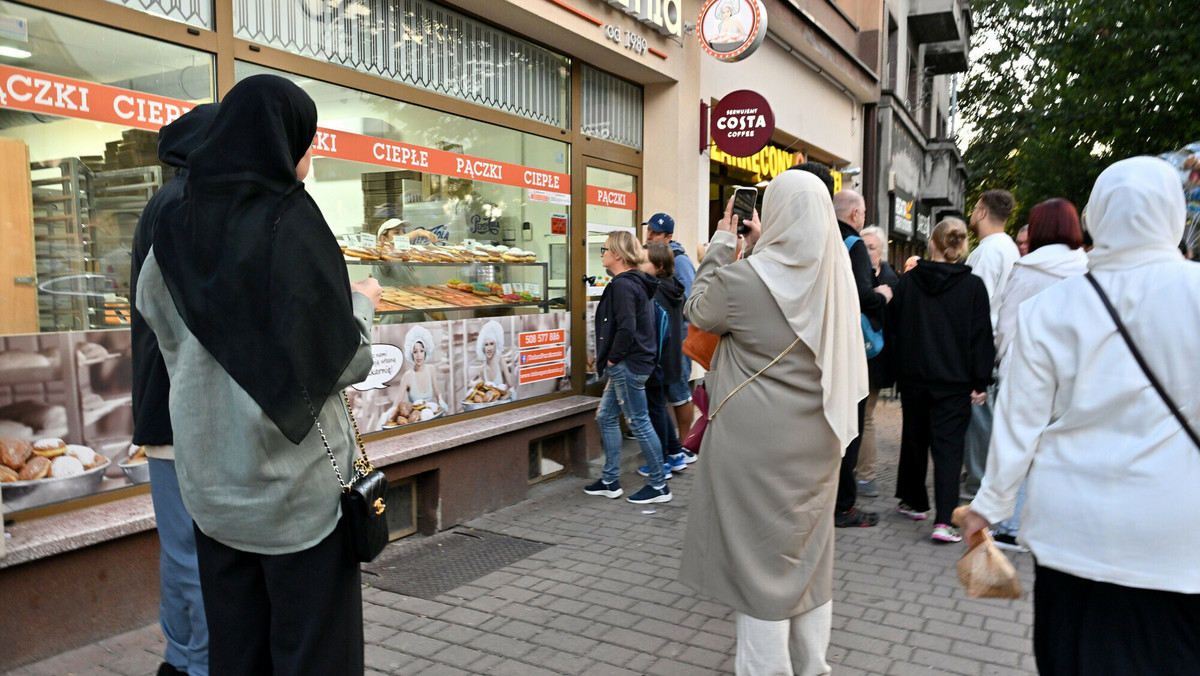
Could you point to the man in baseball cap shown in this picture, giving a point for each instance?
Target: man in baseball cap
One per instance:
(661, 227)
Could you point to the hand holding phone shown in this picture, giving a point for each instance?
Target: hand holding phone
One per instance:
(743, 207)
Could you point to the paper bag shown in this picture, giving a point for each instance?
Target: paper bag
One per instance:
(984, 571)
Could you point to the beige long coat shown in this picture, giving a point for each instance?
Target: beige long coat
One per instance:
(760, 527)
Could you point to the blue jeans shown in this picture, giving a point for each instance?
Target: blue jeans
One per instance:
(626, 393)
(1011, 525)
(180, 606)
(678, 392)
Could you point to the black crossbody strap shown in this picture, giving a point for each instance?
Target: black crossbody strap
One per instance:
(1142, 362)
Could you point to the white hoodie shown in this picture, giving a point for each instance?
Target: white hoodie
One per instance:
(1113, 481)
(1030, 275)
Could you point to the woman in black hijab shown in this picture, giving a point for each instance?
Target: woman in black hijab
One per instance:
(247, 292)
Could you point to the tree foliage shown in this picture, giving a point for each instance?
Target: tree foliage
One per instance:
(1060, 89)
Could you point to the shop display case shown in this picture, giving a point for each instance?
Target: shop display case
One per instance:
(461, 290)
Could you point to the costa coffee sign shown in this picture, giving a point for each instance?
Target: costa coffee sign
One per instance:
(742, 123)
(731, 30)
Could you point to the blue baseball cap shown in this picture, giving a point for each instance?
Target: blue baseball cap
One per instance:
(661, 223)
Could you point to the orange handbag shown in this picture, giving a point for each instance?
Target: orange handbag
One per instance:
(700, 345)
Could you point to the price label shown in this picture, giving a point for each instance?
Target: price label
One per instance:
(401, 242)
(367, 239)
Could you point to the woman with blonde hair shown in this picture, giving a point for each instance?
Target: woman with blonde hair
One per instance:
(939, 320)
(626, 349)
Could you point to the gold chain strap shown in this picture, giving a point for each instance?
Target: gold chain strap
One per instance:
(751, 378)
(362, 463)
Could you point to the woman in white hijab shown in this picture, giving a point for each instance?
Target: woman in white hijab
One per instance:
(1112, 478)
(760, 527)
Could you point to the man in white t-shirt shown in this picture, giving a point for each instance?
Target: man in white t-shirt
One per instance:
(991, 261)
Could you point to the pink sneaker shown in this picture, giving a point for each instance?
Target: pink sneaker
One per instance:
(911, 513)
(944, 532)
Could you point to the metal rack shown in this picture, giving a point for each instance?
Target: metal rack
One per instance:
(61, 212)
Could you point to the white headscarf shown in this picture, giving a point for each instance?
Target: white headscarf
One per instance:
(1136, 215)
(493, 331)
(803, 261)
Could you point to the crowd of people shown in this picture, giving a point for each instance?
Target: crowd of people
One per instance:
(1012, 377)
(1017, 366)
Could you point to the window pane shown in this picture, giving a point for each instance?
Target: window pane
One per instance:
(86, 105)
(197, 13)
(611, 108)
(421, 44)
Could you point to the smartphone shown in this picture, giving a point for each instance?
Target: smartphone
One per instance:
(743, 206)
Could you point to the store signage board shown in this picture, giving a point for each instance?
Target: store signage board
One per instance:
(609, 197)
(902, 215)
(742, 123)
(767, 163)
(36, 92)
(731, 30)
(664, 16)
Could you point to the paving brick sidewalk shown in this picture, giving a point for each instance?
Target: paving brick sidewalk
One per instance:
(603, 599)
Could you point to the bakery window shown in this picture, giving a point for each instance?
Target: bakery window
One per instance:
(80, 106)
(458, 220)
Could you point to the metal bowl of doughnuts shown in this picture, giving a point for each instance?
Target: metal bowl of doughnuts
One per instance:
(76, 479)
(484, 394)
(136, 467)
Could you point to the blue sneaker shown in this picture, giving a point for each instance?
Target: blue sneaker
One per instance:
(677, 462)
(650, 494)
(689, 457)
(644, 470)
(612, 490)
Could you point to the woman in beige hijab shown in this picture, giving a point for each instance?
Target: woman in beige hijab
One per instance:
(760, 528)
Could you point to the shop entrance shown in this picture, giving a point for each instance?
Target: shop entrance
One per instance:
(611, 199)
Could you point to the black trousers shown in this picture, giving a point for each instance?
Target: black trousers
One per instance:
(286, 614)
(661, 418)
(847, 490)
(935, 423)
(1087, 628)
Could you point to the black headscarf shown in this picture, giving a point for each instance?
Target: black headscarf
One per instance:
(253, 268)
(151, 386)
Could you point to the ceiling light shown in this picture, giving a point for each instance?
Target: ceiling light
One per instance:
(14, 52)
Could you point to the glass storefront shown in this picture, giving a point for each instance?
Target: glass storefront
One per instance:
(465, 223)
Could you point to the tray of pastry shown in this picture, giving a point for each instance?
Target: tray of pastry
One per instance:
(454, 297)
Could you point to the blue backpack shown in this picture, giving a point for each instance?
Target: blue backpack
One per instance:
(662, 324)
(872, 337)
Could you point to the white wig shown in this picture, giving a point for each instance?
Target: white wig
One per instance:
(419, 334)
(490, 331)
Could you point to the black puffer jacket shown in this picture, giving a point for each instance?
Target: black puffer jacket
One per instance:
(625, 331)
(151, 387)
(940, 329)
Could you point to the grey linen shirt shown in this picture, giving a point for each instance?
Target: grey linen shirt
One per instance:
(244, 484)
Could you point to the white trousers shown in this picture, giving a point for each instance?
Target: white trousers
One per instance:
(784, 647)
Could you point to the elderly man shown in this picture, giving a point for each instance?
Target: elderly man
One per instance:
(851, 209)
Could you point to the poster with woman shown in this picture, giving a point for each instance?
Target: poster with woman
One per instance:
(488, 352)
(413, 368)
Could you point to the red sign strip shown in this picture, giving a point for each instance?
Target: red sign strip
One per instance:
(36, 92)
(370, 150)
(607, 197)
(546, 372)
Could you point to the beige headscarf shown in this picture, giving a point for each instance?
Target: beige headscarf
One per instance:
(803, 261)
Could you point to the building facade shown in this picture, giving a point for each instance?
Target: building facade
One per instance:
(509, 136)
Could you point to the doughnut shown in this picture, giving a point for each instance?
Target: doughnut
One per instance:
(65, 466)
(14, 453)
(49, 448)
(37, 468)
